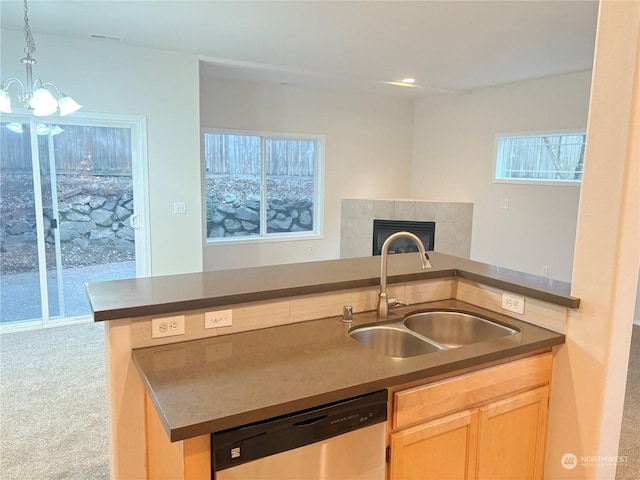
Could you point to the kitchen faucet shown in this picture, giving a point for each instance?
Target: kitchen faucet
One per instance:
(383, 300)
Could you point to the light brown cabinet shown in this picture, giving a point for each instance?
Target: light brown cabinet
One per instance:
(489, 424)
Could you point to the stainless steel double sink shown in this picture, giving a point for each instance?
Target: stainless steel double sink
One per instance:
(428, 332)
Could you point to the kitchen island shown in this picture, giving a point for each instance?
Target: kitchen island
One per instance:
(290, 350)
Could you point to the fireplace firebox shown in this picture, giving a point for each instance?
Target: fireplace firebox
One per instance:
(383, 229)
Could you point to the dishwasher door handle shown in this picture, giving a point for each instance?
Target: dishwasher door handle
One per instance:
(311, 421)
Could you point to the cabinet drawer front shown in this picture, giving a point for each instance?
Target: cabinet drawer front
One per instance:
(434, 400)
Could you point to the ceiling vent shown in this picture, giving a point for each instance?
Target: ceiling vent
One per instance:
(110, 38)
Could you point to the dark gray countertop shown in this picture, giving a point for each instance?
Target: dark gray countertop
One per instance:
(212, 384)
(174, 293)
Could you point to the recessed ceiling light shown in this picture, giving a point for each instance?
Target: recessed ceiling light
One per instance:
(408, 80)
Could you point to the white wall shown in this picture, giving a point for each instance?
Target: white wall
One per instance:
(115, 78)
(454, 142)
(590, 369)
(367, 153)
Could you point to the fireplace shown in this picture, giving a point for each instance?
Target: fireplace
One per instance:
(383, 229)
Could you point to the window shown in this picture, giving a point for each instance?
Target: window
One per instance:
(540, 158)
(262, 185)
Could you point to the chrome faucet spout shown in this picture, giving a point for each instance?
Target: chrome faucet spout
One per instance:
(383, 300)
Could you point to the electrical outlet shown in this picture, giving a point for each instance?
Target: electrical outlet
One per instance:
(167, 326)
(504, 203)
(221, 318)
(545, 270)
(513, 303)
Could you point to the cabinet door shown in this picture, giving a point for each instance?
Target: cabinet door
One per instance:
(512, 435)
(441, 449)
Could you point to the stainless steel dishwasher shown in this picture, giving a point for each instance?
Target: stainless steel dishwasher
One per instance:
(342, 440)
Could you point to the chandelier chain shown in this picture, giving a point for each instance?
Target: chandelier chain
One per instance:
(31, 44)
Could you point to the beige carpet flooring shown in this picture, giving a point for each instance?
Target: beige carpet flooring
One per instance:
(53, 414)
(630, 433)
(53, 409)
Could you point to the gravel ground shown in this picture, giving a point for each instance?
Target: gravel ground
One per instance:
(292, 188)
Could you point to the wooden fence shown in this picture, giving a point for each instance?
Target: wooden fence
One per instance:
(241, 155)
(97, 150)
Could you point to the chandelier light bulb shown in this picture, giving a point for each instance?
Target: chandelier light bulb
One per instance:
(43, 103)
(55, 130)
(42, 129)
(15, 127)
(67, 105)
(5, 101)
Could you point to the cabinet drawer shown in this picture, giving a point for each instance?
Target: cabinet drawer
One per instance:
(434, 400)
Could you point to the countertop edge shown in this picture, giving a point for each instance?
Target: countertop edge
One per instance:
(528, 285)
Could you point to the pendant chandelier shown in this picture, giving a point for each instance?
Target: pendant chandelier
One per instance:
(35, 94)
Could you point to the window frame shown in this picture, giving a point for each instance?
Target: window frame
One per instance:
(532, 181)
(318, 187)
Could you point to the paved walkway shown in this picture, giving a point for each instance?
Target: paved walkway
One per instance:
(20, 292)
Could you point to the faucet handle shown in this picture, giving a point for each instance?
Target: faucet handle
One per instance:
(394, 302)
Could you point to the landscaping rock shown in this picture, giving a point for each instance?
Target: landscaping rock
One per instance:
(71, 230)
(232, 225)
(244, 213)
(102, 236)
(102, 217)
(229, 197)
(126, 233)
(248, 226)
(74, 216)
(279, 225)
(122, 213)
(217, 231)
(18, 227)
(225, 208)
(253, 205)
(217, 217)
(306, 220)
(97, 202)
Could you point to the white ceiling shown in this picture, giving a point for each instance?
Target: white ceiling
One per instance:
(444, 45)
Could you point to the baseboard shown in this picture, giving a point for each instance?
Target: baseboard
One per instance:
(636, 321)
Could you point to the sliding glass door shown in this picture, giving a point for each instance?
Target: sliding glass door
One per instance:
(71, 204)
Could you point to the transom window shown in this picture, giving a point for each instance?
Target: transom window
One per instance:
(540, 158)
(262, 185)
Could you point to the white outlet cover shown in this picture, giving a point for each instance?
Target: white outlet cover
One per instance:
(513, 303)
(167, 326)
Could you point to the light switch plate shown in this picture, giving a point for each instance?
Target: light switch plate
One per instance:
(220, 318)
(179, 208)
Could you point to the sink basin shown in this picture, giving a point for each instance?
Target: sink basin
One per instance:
(393, 341)
(455, 329)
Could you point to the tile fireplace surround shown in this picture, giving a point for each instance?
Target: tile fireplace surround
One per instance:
(453, 223)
